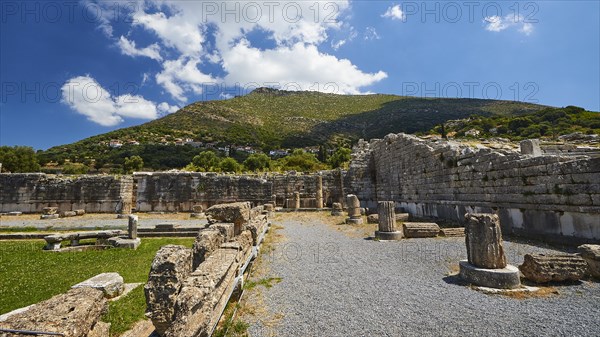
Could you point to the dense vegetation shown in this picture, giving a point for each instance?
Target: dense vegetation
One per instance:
(547, 123)
(18, 159)
(269, 119)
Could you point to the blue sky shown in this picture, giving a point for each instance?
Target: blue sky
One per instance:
(73, 69)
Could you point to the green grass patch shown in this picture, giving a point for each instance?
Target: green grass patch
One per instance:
(30, 275)
(27, 229)
(265, 282)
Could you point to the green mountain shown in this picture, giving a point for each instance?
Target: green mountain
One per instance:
(269, 119)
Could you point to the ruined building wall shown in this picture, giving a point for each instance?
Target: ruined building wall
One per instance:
(549, 196)
(30, 193)
(179, 191)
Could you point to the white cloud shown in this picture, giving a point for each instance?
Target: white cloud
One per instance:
(338, 44)
(371, 34)
(193, 35)
(181, 76)
(299, 67)
(394, 13)
(497, 23)
(86, 96)
(129, 48)
(164, 108)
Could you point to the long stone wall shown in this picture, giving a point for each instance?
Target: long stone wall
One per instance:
(30, 193)
(551, 196)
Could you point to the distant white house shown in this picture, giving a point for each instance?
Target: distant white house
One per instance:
(115, 143)
(472, 133)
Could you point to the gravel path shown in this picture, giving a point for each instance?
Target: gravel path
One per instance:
(336, 285)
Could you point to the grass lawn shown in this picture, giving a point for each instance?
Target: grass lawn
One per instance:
(29, 275)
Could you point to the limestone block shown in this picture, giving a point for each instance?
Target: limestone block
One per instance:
(67, 214)
(79, 212)
(101, 329)
(373, 218)
(226, 230)
(172, 264)
(125, 243)
(541, 268)
(337, 209)
(452, 232)
(402, 216)
(502, 278)
(49, 210)
(484, 241)
(197, 208)
(237, 213)
(591, 255)
(207, 241)
(72, 314)
(111, 284)
(49, 216)
(420, 229)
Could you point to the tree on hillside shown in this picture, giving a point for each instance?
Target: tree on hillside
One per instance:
(18, 159)
(301, 161)
(257, 162)
(229, 165)
(133, 163)
(75, 168)
(206, 161)
(340, 157)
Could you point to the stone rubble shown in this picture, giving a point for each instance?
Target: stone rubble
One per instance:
(542, 268)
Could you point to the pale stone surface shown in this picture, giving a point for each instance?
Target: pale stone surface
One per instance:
(337, 209)
(501, 278)
(79, 212)
(542, 268)
(73, 314)
(484, 241)
(420, 229)
(49, 210)
(354, 214)
(67, 214)
(531, 147)
(49, 216)
(387, 216)
(373, 218)
(125, 243)
(296, 200)
(198, 208)
(101, 329)
(170, 267)
(226, 230)
(206, 242)
(111, 284)
(452, 232)
(402, 217)
(591, 255)
(132, 226)
(237, 213)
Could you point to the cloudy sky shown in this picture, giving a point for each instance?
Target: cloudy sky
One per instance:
(74, 69)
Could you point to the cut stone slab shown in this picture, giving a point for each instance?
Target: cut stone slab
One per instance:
(49, 216)
(67, 214)
(373, 218)
(125, 243)
(591, 255)
(15, 213)
(101, 329)
(402, 216)
(111, 284)
(72, 314)
(49, 210)
(541, 268)
(420, 229)
(237, 213)
(452, 232)
(337, 209)
(502, 278)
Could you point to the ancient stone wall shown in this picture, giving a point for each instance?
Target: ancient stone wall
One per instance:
(30, 193)
(552, 196)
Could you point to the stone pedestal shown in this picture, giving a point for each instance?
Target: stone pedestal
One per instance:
(354, 215)
(132, 227)
(337, 209)
(503, 278)
(487, 265)
(387, 229)
(319, 192)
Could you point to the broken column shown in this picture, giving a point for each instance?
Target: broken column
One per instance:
(319, 192)
(354, 216)
(296, 200)
(132, 226)
(337, 209)
(387, 222)
(486, 265)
